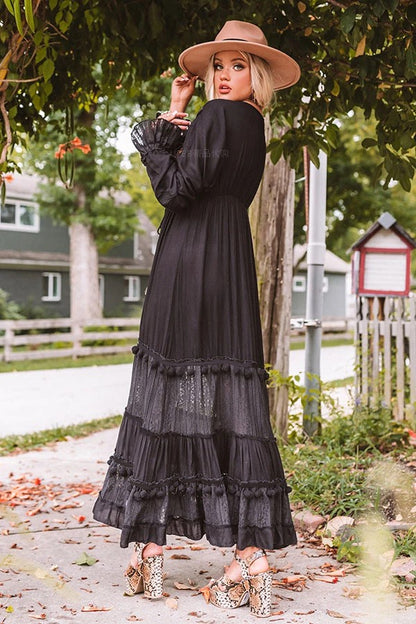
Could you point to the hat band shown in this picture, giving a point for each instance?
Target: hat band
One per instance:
(234, 39)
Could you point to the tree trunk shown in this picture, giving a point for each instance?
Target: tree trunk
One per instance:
(85, 296)
(272, 216)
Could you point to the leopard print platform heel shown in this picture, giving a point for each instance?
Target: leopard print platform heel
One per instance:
(147, 577)
(259, 585)
(228, 594)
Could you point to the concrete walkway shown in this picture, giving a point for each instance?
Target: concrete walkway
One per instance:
(47, 527)
(36, 400)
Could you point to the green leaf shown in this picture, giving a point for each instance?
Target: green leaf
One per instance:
(18, 16)
(47, 68)
(347, 20)
(40, 54)
(85, 559)
(9, 6)
(405, 183)
(313, 152)
(410, 61)
(29, 15)
(391, 5)
(276, 152)
(366, 143)
(52, 4)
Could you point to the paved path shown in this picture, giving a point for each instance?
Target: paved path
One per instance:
(36, 400)
(50, 526)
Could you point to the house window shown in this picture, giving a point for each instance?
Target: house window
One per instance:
(101, 289)
(15, 215)
(51, 286)
(299, 283)
(131, 288)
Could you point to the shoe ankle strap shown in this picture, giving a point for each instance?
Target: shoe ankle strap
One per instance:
(139, 547)
(246, 563)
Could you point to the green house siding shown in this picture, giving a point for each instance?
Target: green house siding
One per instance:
(115, 291)
(334, 301)
(123, 250)
(50, 238)
(25, 287)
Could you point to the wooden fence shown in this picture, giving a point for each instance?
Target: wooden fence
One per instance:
(63, 337)
(385, 367)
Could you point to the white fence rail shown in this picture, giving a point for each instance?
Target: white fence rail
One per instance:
(385, 368)
(63, 337)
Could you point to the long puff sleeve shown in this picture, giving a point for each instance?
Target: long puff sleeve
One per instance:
(177, 178)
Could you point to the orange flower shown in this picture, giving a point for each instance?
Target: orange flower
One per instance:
(7, 177)
(75, 143)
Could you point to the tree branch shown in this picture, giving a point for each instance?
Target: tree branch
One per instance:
(337, 4)
(9, 136)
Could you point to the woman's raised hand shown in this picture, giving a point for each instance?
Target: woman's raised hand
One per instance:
(177, 118)
(183, 88)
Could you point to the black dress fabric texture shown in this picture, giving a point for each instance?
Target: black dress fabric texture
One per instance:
(195, 453)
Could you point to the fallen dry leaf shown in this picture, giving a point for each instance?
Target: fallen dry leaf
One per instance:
(92, 607)
(353, 592)
(33, 512)
(296, 582)
(171, 603)
(293, 579)
(199, 547)
(41, 616)
(206, 592)
(324, 578)
(175, 556)
(134, 618)
(175, 547)
(305, 612)
(335, 614)
(179, 585)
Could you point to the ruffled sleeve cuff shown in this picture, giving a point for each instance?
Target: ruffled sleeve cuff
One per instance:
(156, 134)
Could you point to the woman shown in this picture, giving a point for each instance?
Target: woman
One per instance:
(195, 453)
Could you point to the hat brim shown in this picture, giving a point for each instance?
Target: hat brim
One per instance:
(286, 72)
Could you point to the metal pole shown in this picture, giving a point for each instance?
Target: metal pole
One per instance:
(314, 294)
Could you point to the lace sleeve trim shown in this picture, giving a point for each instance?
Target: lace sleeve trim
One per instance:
(156, 134)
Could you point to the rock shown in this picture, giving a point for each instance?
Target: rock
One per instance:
(336, 525)
(396, 525)
(403, 566)
(307, 521)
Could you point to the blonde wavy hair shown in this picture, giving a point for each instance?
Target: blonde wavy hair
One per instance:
(261, 79)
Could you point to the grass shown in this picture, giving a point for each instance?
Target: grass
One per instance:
(30, 441)
(66, 362)
(296, 345)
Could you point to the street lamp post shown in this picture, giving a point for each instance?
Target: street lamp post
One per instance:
(314, 294)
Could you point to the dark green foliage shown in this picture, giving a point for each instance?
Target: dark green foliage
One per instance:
(8, 309)
(361, 56)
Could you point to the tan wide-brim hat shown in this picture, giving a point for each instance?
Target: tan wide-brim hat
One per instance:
(245, 37)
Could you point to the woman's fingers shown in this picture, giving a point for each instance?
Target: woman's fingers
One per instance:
(177, 118)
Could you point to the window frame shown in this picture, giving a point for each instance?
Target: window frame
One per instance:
(130, 297)
(52, 275)
(17, 226)
(300, 287)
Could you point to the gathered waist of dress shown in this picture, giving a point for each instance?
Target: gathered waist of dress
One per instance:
(209, 197)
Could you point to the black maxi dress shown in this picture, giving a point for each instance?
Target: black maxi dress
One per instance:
(195, 452)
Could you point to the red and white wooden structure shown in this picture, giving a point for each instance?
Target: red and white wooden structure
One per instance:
(381, 259)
